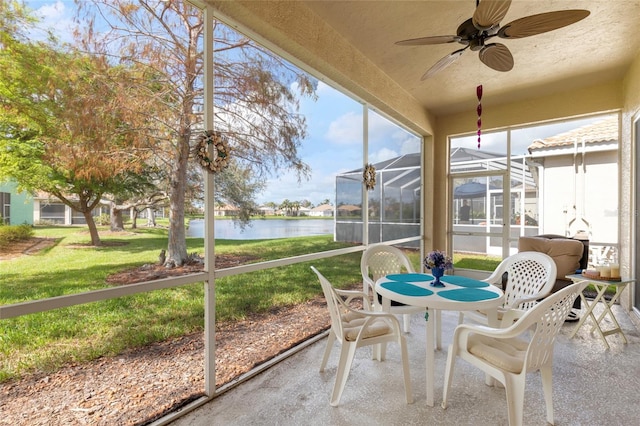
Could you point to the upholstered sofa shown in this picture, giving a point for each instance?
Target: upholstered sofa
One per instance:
(569, 254)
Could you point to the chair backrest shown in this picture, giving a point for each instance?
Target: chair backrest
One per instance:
(380, 260)
(547, 318)
(333, 304)
(528, 273)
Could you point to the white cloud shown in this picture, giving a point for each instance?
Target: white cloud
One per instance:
(381, 155)
(346, 129)
(55, 16)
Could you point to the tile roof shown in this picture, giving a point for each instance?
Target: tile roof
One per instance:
(605, 130)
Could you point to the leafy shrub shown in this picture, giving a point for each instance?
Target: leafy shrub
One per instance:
(102, 220)
(12, 233)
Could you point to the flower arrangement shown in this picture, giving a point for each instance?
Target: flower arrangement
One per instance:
(438, 259)
(220, 158)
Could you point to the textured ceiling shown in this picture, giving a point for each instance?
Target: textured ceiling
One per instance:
(597, 49)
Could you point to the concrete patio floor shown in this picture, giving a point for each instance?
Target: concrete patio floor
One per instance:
(592, 385)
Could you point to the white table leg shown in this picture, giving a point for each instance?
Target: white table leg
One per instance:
(588, 313)
(607, 310)
(431, 328)
(438, 319)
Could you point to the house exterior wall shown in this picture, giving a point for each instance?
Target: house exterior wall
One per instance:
(21, 205)
(581, 200)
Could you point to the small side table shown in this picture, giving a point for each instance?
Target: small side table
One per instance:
(601, 287)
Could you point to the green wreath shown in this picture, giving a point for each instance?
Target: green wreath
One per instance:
(219, 158)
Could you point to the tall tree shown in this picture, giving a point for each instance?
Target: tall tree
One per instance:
(256, 106)
(63, 129)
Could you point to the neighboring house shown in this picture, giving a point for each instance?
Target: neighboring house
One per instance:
(267, 211)
(226, 210)
(15, 207)
(303, 211)
(323, 210)
(48, 209)
(577, 174)
(20, 207)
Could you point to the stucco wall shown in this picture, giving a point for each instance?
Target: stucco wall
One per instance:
(629, 176)
(21, 209)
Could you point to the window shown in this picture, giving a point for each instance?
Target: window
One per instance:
(52, 212)
(5, 207)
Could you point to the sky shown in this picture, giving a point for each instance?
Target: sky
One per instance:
(335, 131)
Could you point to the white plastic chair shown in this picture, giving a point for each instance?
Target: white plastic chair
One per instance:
(357, 328)
(378, 261)
(530, 276)
(508, 354)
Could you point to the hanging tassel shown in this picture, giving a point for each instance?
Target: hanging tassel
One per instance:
(479, 110)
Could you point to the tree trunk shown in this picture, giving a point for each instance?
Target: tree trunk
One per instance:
(134, 218)
(93, 229)
(117, 224)
(177, 247)
(151, 218)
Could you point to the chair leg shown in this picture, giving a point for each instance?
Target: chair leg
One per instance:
(383, 352)
(448, 375)
(547, 388)
(461, 317)
(327, 351)
(347, 354)
(514, 387)
(408, 391)
(406, 322)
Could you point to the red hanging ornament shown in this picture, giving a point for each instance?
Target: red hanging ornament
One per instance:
(479, 111)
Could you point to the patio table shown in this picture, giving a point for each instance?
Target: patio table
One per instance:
(458, 294)
(601, 287)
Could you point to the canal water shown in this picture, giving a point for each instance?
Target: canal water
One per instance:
(263, 229)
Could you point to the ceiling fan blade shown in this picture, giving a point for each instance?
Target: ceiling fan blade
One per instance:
(541, 23)
(497, 56)
(490, 13)
(429, 40)
(442, 64)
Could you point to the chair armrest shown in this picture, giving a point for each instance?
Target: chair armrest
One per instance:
(462, 332)
(349, 295)
(532, 298)
(510, 316)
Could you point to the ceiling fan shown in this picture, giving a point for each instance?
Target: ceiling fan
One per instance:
(485, 24)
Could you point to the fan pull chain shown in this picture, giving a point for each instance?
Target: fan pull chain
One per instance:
(479, 110)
